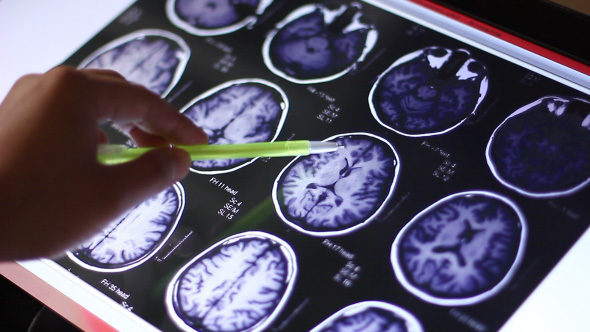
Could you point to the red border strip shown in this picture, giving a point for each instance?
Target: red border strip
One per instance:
(512, 39)
(53, 298)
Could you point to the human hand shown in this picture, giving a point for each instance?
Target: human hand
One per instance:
(53, 191)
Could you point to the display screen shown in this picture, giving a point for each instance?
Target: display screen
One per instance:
(461, 182)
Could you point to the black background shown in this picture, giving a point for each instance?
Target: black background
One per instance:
(542, 22)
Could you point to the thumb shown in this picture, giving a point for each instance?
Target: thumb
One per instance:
(149, 174)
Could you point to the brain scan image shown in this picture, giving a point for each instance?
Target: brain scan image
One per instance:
(370, 316)
(135, 237)
(239, 284)
(428, 92)
(336, 193)
(319, 42)
(214, 17)
(241, 111)
(153, 58)
(543, 149)
(461, 250)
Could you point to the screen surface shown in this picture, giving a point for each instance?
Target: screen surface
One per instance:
(445, 209)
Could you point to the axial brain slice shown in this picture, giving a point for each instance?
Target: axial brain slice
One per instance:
(208, 17)
(317, 43)
(333, 193)
(460, 250)
(373, 319)
(239, 284)
(135, 237)
(240, 112)
(152, 58)
(370, 316)
(429, 91)
(543, 149)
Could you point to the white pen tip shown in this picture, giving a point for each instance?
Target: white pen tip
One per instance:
(323, 147)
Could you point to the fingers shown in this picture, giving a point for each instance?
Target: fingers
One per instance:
(53, 120)
(140, 179)
(131, 106)
(141, 138)
(105, 73)
(109, 96)
(102, 138)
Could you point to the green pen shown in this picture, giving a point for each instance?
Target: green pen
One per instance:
(116, 154)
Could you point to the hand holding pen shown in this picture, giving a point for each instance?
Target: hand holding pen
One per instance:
(54, 191)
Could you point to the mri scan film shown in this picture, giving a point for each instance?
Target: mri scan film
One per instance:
(241, 111)
(153, 58)
(134, 237)
(461, 250)
(320, 42)
(238, 284)
(428, 92)
(335, 193)
(214, 17)
(370, 316)
(543, 149)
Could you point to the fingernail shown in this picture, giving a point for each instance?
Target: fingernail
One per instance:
(182, 163)
(200, 137)
(193, 134)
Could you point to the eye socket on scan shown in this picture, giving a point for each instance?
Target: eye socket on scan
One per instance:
(546, 160)
(429, 92)
(438, 52)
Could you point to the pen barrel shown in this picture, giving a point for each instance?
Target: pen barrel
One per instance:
(249, 150)
(117, 154)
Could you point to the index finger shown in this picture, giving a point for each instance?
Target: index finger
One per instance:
(130, 106)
